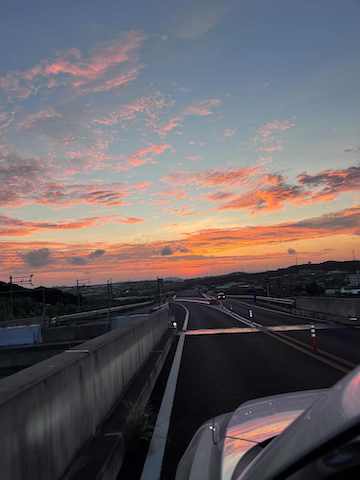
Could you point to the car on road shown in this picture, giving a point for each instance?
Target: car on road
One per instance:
(307, 435)
(221, 296)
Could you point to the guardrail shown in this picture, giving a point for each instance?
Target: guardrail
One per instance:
(284, 301)
(78, 315)
(100, 311)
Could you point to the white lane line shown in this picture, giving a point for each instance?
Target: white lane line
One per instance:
(220, 331)
(281, 338)
(332, 364)
(192, 300)
(187, 315)
(230, 330)
(155, 456)
(273, 310)
(238, 317)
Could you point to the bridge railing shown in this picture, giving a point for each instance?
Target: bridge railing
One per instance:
(48, 411)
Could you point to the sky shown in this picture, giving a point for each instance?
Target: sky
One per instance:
(184, 138)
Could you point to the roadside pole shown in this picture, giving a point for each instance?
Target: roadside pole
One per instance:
(11, 297)
(313, 338)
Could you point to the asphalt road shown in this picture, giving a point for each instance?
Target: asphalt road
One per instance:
(219, 372)
(263, 315)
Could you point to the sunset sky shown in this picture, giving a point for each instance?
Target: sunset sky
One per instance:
(181, 138)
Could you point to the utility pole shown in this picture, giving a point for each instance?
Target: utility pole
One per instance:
(43, 305)
(11, 297)
(79, 285)
(109, 291)
(160, 283)
(19, 280)
(78, 295)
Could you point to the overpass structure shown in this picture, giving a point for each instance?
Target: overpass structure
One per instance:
(66, 417)
(50, 411)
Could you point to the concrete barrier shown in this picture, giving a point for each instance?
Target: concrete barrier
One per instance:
(345, 307)
(48, 411)
(20, 335)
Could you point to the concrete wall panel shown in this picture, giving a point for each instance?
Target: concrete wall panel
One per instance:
(48, 411)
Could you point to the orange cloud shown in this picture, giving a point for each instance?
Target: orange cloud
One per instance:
(131, 220)
(220, 196)
(339, 223)
(267, 198)
(216, 250)
(211, 178)
(273, 192)
(330, 183)
(10, 226)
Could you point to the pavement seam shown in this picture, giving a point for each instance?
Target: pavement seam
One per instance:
(307, 352)
(324, 352)
(279, 337)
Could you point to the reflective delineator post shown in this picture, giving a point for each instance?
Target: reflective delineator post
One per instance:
(250, 313)
(313, 338)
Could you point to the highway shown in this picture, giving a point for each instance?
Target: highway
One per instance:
(223, 362)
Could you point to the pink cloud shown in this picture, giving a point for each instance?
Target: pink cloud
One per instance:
(33, 181)
(202, 109)
(147, 154)
(169, 126)
(198, 109)
(268, 129)
(81, 72)
(177, 193)
(33, 118)
(106, 194)
(148, 106)
(119, 80)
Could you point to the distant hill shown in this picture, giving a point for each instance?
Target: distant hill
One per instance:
(347, 267)
(53, 296)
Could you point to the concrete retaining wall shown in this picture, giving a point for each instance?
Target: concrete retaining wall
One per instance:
(344, 307)
(71, 333)
(48, 411)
